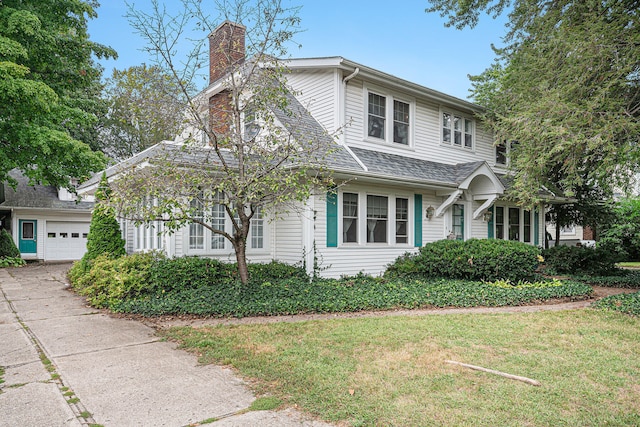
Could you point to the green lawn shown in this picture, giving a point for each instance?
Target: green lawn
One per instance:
(391, 371)
(635, 264)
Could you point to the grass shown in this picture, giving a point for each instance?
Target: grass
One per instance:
(635, 264)
(390, 371)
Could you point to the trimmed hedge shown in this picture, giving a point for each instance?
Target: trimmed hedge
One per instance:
(580, 260)
(473, 259)
(295, 296)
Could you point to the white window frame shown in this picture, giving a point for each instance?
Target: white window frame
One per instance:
(465, 119)
(258, 222)
(361, 218)
(148, 236)
(389, 117)
(506, 224)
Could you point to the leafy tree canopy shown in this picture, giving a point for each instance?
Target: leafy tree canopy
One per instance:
(566, 86)
(145, 107)
(49, 90)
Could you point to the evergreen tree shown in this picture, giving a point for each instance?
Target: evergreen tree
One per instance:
(104, 232)
(8, 248)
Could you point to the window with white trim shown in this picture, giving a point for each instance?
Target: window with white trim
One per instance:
(514, 223)
(457, 130)
(349, 218)
(402, 220)
(383, 219)
(383, 108)
(196, 230)
(149, 235)
(257, 230)
(218, 222)
(457, 217)
(377, 218)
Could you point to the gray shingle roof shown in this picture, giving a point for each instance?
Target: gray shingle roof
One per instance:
(37, 196)
(402, 167)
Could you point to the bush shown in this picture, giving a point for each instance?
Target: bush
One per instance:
(580, 260)
(182, 273)
(473, 259)
(110, 280)
(8, 248)
(624, 303)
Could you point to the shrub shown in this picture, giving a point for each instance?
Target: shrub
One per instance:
(8, 248)
(473, 259)
(580, 260)
(194, 272)
(104, 231)
(110, 280)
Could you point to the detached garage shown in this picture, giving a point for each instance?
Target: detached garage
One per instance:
(46, 224)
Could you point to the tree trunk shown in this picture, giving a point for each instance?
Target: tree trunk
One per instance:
(557, 235)
(240, 246)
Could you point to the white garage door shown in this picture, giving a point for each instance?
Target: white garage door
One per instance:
(65, 240)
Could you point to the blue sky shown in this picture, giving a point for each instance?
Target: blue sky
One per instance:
(396, 37)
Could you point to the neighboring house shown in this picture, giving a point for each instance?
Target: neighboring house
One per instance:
(46, 224)
(415, 165)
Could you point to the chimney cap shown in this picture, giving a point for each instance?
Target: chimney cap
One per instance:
(226, 22)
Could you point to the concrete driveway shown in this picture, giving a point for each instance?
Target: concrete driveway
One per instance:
(66, 364)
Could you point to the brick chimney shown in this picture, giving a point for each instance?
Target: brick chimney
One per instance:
(226, 48)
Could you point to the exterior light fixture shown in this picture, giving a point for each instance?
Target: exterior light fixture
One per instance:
(487, 216)
(430, 212)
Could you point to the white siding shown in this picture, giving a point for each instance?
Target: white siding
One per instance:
(426, 131)
(317, 91)
(288, 241)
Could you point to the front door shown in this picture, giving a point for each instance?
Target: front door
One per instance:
(27, 242)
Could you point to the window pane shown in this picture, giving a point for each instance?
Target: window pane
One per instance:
(446, 128)
(377, 213)
(196, 231)
(257, 230)
(514, 223)
(349, 217)
(458, 221)
(402, 217)
(27, 231)
(501, 153)
(401, 122)
(527, 226)
(377, 116)
(499, 222)
(218, 219)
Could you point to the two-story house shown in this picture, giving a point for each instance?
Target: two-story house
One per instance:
(415, 165)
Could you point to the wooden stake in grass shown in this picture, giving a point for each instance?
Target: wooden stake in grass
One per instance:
(491, 371)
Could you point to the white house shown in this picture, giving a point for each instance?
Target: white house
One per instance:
(417, 166)
(46, 223)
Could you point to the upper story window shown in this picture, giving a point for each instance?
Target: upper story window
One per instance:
(383, 109)
(457, 130)
(504, 151)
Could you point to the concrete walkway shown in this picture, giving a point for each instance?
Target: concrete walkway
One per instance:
(66, 364)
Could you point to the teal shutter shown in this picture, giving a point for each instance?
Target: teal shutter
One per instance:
(332, 219)
(536, 227)
(417, 206)
(490, 234)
